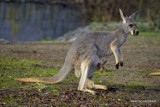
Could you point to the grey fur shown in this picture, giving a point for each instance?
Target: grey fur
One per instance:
(87, 51)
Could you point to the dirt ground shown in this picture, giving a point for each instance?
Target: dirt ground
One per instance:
(128, 86)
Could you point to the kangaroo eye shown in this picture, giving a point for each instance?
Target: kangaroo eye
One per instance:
(131, 25)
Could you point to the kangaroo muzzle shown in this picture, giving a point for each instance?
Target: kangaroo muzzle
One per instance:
(135, 32)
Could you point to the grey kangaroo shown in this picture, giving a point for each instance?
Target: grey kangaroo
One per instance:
(86, 53)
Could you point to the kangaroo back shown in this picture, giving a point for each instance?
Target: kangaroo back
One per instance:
(61, 75)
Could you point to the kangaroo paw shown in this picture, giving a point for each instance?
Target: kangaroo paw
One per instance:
(121, 63)
(89, 91)
(103, 87)
(117, 66)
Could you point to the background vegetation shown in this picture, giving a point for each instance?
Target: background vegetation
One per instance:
(107, 10)
(53, 18)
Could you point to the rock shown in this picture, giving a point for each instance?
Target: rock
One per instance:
(3, 41)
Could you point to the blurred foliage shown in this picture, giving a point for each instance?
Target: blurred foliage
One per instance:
(107, 10)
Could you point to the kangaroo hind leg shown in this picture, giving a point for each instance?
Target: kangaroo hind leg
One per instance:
(90, 84)
(85, 68)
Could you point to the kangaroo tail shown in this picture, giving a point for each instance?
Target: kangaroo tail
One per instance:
(61, 75)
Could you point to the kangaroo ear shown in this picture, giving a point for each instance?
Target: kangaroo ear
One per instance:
(133, 15)
(122, 16)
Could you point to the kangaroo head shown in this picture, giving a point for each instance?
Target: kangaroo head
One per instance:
(129, 24)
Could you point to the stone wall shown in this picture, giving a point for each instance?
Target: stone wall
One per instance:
(32, 21)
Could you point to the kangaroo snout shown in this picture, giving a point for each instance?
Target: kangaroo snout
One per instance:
(135, 32)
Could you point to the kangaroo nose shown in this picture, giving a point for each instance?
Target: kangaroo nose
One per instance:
(136, 32)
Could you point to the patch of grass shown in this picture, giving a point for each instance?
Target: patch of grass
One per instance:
(99, 74)
(132, 87)
(39, 86)
(150, 33)
(135, 86)
(107, 72)
(11, 68)
(145, 38)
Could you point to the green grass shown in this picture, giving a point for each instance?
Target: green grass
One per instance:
(153, 34)
(145, 38)
(11, 68)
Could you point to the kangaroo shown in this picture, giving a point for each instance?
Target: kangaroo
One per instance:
(86, 53)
